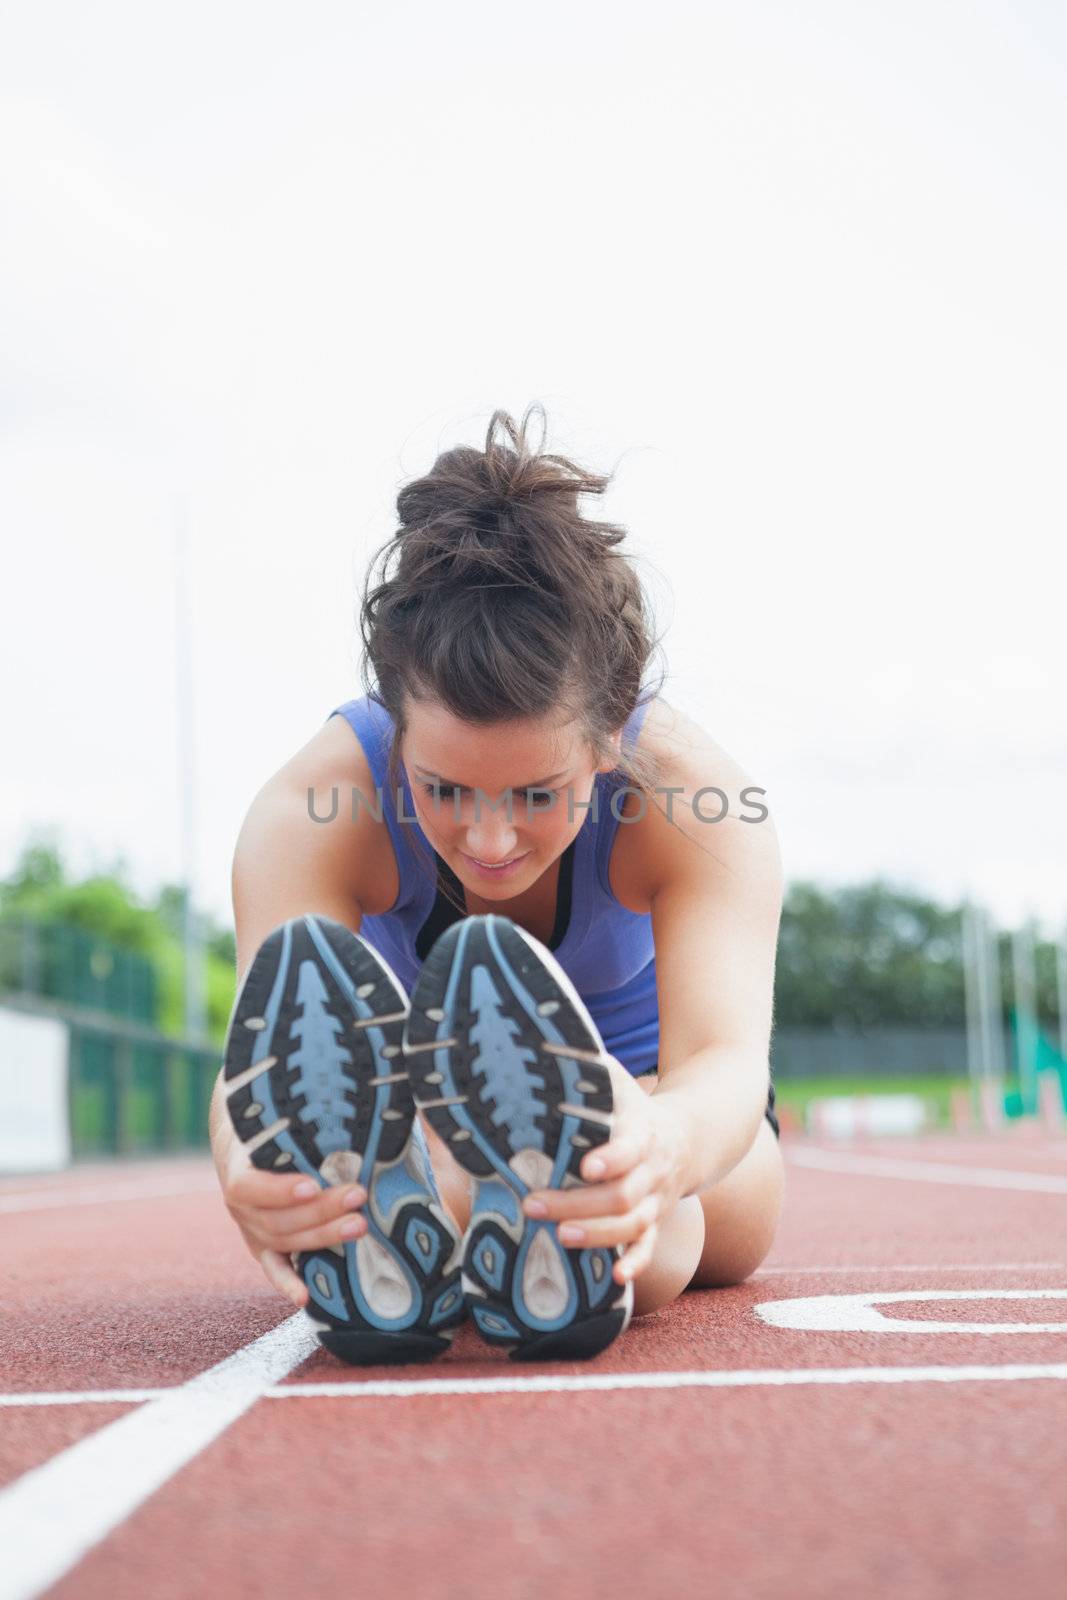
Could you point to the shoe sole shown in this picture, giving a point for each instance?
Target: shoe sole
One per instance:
(316, 1084)
(508, 1067)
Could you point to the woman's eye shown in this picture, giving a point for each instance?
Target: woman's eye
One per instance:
(538, 798)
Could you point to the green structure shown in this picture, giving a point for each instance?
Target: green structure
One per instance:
(1033, 1055)
(133, 1090)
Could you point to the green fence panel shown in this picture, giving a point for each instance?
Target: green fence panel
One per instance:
(68, 964)
(876, 1052)
(146, 1105)
(137, 1097)
(94, 1102)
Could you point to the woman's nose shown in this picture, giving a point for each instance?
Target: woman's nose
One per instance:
(492, 838)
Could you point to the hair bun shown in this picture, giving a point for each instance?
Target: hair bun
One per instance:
(499, 598)
(486, 489)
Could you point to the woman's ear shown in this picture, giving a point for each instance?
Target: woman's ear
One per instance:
(611, 761)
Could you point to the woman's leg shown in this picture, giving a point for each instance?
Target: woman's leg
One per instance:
(717, 1237)
(741, 1214)
(453, 1182)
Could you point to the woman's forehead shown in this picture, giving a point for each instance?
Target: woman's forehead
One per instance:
(523, 753)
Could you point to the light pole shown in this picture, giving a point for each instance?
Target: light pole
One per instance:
(1026, 1043)
(193, 963)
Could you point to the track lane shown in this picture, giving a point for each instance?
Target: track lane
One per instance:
(745, 1493)
(153, 1291)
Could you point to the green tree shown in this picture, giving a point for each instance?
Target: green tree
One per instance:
(866, 954)
(104, 904)
(874, 954)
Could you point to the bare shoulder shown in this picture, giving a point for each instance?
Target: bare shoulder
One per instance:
(306, 809)
(710, 814)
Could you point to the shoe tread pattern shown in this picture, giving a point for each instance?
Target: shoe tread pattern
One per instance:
(493, 1090)
(310, 986)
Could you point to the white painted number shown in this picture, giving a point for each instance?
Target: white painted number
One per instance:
(858, 1313)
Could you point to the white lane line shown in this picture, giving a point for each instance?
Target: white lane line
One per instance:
(119, 1169)
(51, 1517)
(741, 1378)
(929, 1171)
(83, 1397)
(1013, 1150)
(917, 1266)
(105, 1194)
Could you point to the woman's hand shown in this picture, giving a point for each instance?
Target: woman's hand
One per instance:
(281, 1214)
(633, 1181)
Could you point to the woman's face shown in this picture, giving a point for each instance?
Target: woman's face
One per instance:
(462, 777)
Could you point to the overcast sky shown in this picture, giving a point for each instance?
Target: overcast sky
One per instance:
(796, 272)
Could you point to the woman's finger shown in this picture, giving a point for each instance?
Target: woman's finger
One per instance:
(339, 1231)
(620, 1153)
(599, 1231)
(270, 1190)
(597, 1200)
(327, 1206)
(637, 1258)
(279, 1273)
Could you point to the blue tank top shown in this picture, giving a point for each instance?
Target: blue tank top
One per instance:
(606, 950)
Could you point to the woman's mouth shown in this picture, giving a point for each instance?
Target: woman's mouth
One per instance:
(502, 869)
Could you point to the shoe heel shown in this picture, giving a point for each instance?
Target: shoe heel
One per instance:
(536, 1299)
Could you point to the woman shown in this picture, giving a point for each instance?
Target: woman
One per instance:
(531, 789)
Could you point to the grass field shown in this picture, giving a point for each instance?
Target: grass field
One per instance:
(935, 1090)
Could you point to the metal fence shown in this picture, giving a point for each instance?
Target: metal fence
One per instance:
(872, 1052)
(61, 962)
(132, 1090)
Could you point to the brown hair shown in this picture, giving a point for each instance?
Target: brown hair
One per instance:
(498, 599)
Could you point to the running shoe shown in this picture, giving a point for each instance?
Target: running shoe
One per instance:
(315, 1083)
(509, 1068)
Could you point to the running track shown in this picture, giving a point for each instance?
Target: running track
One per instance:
(167, 1427)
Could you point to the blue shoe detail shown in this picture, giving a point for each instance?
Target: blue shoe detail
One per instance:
(411, 1314)
(504, 1065)
(544, 1234)
(395, 1184)
(512, 1079)
(494, 1323)
(376, 1038)
(261, 1086)
(492, 1198)
(424, 1244)
(596, 1270)
(323, 1286)
(420, 1153)
(487, 1256)
(448, 1307)
(322, 1062)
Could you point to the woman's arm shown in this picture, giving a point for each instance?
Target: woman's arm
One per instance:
(715, 892)
(716, 934)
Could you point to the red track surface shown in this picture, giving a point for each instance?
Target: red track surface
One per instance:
(923, 1488)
